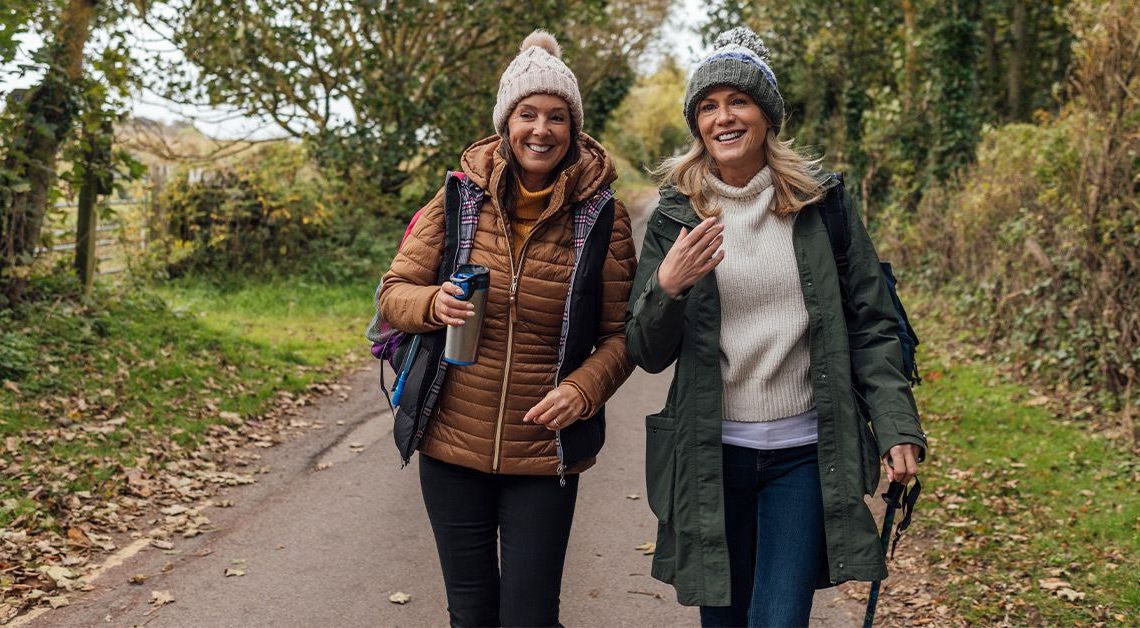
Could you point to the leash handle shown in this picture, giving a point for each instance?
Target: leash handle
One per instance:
(907, 501)
(894, 495)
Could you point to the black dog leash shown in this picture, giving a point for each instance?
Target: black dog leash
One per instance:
(897, 496)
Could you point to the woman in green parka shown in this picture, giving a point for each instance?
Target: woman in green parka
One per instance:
(758, 464)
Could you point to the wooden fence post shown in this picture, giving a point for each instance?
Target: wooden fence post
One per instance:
(86, 234)
(96, 181)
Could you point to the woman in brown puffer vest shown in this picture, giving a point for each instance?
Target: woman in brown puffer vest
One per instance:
(510, 433)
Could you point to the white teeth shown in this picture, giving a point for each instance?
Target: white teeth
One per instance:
(725, 137)
(538, 149)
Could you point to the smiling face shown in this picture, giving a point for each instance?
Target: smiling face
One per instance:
(538, 133)
(734, 131)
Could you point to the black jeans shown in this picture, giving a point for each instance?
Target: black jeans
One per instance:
(468, 511)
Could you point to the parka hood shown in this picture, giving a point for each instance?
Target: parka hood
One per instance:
(593, 171)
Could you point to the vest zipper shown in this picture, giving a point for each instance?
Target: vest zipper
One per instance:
(562, 352)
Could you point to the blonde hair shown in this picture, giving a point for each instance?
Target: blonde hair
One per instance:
(795, 176)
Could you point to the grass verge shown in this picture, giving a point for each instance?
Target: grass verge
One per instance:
(130, 382)
(1034, 518)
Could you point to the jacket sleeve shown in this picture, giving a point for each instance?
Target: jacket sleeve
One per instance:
(876, 356)
(653, 318)
(607, 368)
(407, 294)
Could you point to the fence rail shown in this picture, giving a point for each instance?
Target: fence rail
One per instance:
(117, 241)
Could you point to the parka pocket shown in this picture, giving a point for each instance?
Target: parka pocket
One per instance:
(660, 457)
(869, 447)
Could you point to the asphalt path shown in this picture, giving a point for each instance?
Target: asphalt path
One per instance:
(334, 527)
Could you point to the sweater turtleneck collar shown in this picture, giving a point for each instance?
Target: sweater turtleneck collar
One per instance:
(760, 182)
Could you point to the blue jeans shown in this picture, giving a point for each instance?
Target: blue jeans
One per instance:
(773, 510)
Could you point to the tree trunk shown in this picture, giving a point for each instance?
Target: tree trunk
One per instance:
(910, 56)
(1016, 59)
(46, 116)
(991, 57)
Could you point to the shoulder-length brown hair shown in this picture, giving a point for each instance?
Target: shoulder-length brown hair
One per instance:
(513, 172)
(796, 176)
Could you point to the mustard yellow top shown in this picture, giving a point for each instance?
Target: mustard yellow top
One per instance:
(528, 207)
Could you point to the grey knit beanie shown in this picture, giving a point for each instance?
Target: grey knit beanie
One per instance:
(740, 60)
(538, 69)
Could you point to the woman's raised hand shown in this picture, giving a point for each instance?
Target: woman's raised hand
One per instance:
(448, 309)
(693, 256)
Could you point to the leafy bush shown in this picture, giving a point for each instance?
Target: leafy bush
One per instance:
(1042, 235)
(257, 212)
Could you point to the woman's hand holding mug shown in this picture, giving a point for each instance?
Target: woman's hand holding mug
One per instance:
(450, 310)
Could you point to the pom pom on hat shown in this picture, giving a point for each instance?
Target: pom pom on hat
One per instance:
(544, 40)
(744, 37)
(538, 69)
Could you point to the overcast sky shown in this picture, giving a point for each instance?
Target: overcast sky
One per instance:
(678, 37)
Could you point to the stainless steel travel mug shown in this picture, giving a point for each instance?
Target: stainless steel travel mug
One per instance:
(462, 346)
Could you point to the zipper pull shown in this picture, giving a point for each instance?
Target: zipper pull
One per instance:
(561, 475)
(514, 302)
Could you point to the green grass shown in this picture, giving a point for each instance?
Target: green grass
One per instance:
(309, 320)
(132, 381)
(1017, 496)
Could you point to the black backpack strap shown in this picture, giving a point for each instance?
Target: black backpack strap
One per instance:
(834, 212)
(451, 201)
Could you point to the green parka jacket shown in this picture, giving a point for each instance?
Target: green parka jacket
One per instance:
(856, 355)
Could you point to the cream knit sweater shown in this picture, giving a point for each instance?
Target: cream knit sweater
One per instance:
(764, 358)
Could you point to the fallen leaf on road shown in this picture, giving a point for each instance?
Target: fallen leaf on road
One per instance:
(649, 593)
(235, 572)
(647, 548)
(321, 466)
(399, 597)
(161, 544)
(161, 598)
(58, 601)
(137, 579)
(633, 496)
(78, 537)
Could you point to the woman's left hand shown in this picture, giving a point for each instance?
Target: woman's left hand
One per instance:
(902, 463)
(559, 409)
